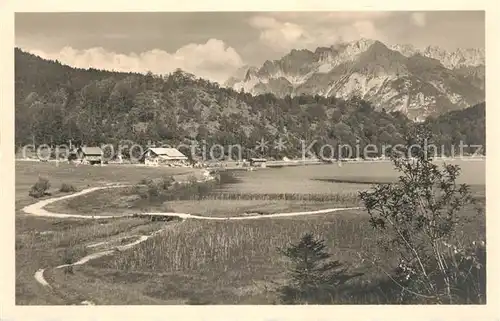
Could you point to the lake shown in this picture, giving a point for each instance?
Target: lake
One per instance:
(332, 178)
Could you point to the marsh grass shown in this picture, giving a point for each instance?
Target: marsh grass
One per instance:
(232, 257)
(71, 255)
(97, 230)
(45, 243)
(232, 262)
(341, 198)
(200, 198)
(225, 208)
(68, 234)
(194, 244)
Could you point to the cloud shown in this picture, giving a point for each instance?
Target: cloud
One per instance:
(330, 17)
(282, 35)
(365, 29)
(283, 31)
(213, 60)
(115, 36)
(418, 19)
(263, 22)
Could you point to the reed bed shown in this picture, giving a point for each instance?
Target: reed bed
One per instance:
(72, 235)
(225, 208)
(210, 191)
(237, 254)
(217, 261)
(310, 197)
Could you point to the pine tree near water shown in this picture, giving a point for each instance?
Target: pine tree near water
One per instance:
(314, 277)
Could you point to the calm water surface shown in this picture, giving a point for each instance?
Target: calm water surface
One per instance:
(318, 178)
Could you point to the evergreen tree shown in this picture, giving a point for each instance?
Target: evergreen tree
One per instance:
(314, 277)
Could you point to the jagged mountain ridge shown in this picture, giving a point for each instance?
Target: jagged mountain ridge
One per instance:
(450, 59)
(418, 83)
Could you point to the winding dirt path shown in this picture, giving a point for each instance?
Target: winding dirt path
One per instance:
(37, 209)
(141, 238)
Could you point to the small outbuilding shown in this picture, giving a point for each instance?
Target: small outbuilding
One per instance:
(258, 162)
(90, 155)
(164, 156)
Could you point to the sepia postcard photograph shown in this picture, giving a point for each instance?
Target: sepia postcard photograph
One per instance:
(249, 158)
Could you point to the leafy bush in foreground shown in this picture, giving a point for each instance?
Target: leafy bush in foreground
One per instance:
(417, 218)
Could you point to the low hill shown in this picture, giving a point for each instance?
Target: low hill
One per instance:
(467, 126)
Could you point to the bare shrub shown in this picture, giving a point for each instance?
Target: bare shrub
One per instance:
(67, 188)
(167, 182)
(40, 188)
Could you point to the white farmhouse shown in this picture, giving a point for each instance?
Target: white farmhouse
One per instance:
(164, 156)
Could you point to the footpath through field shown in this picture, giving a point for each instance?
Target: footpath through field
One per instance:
(37, 209)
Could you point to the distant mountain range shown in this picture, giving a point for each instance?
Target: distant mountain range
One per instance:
(402, 78)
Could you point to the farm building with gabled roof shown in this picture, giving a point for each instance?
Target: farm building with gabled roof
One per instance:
(91, 155)
(164, 156)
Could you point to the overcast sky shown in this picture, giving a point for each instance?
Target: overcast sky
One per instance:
(214, 45)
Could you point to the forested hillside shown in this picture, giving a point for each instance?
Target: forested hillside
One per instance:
(467, 125)
(56, 103)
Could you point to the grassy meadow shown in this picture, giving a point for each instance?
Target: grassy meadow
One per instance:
(44, 242)
(84, 176)
(203, 262)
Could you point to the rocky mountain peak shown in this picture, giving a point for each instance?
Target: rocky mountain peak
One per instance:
(416, 81)
(251, 73)
(406, 50)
